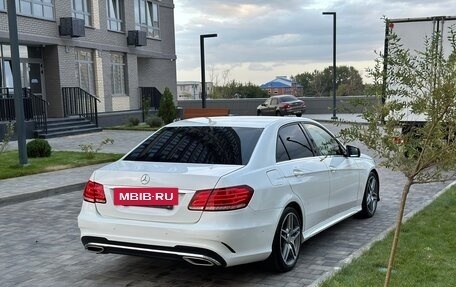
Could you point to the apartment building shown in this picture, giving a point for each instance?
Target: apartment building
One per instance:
(192, 90)
(281, 85)
(111, 49)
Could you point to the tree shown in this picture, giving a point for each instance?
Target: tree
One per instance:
(319, 83)
(305, 80)
(423, 82)
(351, 81)
(233, 89)
(167, 109)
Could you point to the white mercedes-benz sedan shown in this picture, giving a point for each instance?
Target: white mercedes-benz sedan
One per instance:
(224, 191)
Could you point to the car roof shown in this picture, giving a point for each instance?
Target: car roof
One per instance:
(239, 121)
(281, 96)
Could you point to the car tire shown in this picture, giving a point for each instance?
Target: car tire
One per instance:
(299, 115)
(370, 199)
(258, 113)
(287, 242)
(278, 114)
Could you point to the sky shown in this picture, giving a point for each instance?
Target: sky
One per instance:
(261, 39)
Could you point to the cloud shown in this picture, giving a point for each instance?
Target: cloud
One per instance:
(254, 32)
(259, 67)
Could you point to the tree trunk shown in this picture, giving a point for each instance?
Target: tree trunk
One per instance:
(400, 215)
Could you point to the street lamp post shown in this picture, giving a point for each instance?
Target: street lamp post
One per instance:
(18, 98)
(334, 117)
(203, 72)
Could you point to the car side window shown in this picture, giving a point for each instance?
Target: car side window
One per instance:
(292, 143)
(274, 101)
(267, 102)
(326, 143)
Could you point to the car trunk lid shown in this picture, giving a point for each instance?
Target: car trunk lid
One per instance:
(186, 178)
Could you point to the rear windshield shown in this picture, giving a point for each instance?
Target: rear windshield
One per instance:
(211, 145)
(288, 99)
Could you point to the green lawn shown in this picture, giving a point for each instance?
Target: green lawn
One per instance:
(9, 162)
(426, 253)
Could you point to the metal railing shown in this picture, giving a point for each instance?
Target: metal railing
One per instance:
(78, 102)
(150, 98)
(39, 109)
(35, 108)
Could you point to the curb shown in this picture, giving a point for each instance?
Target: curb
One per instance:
(41, 193)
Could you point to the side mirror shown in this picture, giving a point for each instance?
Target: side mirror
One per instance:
(353, 151)
(263, 104)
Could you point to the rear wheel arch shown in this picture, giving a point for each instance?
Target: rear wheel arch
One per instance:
(287, 240)
(298, 209)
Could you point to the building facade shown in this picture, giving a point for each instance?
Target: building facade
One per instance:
(192, 90)
(281, 85)
(109, 48)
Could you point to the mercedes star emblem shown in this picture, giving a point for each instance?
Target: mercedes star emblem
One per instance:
(145, 179)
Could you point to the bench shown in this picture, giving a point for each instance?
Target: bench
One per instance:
(206, 112)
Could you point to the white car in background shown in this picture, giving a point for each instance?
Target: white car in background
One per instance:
(224, 191)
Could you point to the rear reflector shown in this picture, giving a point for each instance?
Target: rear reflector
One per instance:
(94, 192)
(220, 199)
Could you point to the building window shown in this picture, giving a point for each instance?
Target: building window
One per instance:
(81, 10)
(115, 15)
(118, 73)
(35, 8)
(84, 70)
(147, 17)
(2, 5)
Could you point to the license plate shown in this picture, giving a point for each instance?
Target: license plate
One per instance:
(152, 196)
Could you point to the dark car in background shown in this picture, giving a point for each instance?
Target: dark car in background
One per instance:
(282, 105)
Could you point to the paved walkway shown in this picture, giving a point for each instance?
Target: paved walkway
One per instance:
(322, 255)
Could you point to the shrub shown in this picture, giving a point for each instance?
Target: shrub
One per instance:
(167, 109)
(154, 122)
(89, 149)
(8, 135)
(38, 148)
(132, 122)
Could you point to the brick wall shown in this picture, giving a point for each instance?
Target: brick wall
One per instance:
(155, 61)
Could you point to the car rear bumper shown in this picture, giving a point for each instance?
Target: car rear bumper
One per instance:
(293, 111)
(195, 256)
(219, 238)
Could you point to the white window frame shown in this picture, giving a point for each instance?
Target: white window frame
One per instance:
(147, 17)
(83, 63)
(33, 7)
(84, 13)
(118, 75)
(115, 12)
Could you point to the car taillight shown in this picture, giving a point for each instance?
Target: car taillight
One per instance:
(286, 106)
(221, 199)
(94, 192)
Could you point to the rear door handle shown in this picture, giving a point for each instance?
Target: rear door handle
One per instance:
(298, 172)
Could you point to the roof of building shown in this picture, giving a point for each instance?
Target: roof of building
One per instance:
(280, 82)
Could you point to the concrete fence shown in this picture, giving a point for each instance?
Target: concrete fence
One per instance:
(240, 107)
(315, 105)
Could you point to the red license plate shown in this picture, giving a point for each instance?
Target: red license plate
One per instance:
(157, 196)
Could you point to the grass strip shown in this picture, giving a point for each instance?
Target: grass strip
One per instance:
(9, 162)
(426, 253)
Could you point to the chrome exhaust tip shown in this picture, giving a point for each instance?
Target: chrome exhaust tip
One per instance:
(200, 261)
(94, 248)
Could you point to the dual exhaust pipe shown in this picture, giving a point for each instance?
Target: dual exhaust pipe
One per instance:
(194, 259)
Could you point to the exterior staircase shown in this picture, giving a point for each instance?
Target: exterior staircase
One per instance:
(59, 127)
